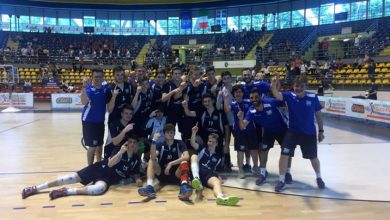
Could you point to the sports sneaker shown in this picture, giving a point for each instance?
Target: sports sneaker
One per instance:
(185, 192)
(280, 186)
(29, 191)
(262, 178)
(256, 171)
(229, 201)
(247, 168)
(196, 184)
(58, 193)
(241, 174)
(288, 178)
(320, 183)
(147, 191)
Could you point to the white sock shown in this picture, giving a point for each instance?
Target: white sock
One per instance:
(281, 178)
(149, 182)
(195, 170)
(220, 196)
(72, 191)
(318, 175)
(262, 171)
(42, 186)
(288, 170)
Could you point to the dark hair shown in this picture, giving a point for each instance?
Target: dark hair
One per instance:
(143, 79)
(161, 71)
(127, 107)
(210, 68)
(300, 80)
(97, 70)
(245, 69)
(237, 87)
(208, 95)
(226, 73)
(177, 68)
(254, 90)
(169, 127)
(130, 135)
(118, 69)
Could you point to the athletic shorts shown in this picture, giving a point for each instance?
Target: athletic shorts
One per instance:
(205, 176)
(93, 133)
(245, 140)
(308, 144)
(270, 137)
(94, 173)
(259, 131)
(168, 179)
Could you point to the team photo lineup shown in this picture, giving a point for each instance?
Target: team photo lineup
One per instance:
(177, 126)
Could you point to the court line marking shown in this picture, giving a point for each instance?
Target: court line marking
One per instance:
(48, 206)
(19, 208)
(39, 172)
(77, 205)
(17, 126)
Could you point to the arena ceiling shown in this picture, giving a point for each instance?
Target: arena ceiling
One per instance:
(130, 2)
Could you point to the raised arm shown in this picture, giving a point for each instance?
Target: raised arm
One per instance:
(187, 110)
(241, 121)
(117, 157)
(111, 103)
(275, 90)
(135, 99)
(117, 139)
(84, 98)
(193, 137)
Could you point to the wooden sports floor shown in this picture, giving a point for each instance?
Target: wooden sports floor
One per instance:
(37, 147)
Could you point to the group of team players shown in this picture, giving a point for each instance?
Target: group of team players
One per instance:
(143, 115)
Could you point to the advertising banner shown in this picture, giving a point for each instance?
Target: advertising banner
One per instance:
(66, 101)
(19, 100)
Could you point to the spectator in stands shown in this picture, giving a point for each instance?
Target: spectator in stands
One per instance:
(372, 93)
(27, 86)
(242, 51)
(232, 51)
(371, 69)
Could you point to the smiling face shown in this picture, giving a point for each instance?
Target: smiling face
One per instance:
(212, 142)
(119, 77)
(299, 89)
(97, 78)
(207, 102)
(247, 76)
(254, 98)
(127, 114)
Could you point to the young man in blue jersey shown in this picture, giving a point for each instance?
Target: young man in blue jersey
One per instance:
(94, 98)
(118, 129)
(265, 112)
(122, 93)
(169, 163)
(245, 138)
(122, 164)
(303, 107)
(203, 166)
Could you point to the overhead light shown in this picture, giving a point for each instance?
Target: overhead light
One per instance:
(182, 47)
(202, 46)
(332, 38)
(346, 39)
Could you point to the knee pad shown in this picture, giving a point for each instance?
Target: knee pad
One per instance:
(97, 189)
(68, 179)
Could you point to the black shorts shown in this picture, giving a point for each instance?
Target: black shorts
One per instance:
(308, 144)
(94, 173)
(245, 140)
(270, 137)
(259, 131)
(168, 179)
(93, 133)
(205, 176)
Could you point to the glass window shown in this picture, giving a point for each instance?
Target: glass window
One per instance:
(50, 21)
(101, 23)
(125, 23)
(220, 19)
(257, 22)
(23, 23)
(285, 19)
(162, 27)
(311, 16)
(36, 20)
(89, 21)
(195, 26)
(375, 8)
(358, 10)
(326, 13)
(245, 22)
(211, 23)
(232, 23)
(270, 19)
(63, 21)
(173, 26)
(341, 8)
(78, 22)
(387, 7)
(114, 23)
(298, 18)
(138, 23)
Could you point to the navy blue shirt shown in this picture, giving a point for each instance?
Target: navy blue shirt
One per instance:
(143, 110)
(302, 111)
(157, 94)
(269, 118)
(235, 108)
(170, 153)
(208, 162)
(211, 123)
(124, 97)
(126, 167)
(195, 96)
(95, 110)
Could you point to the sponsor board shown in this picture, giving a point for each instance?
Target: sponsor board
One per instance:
(19, 100)
(66, 102)
(234, 64)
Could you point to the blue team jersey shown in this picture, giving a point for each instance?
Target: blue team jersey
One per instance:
(244, 106)
(302, 112)
(262, 87)
(270, 117)
(208, 162)
(167, 153)
(95, 110)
